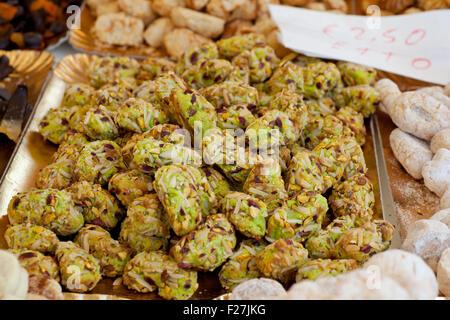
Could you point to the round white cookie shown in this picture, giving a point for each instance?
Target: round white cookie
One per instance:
(407, 269)
(442, 216)
(428, 239)
(356, 285)
(257, 289)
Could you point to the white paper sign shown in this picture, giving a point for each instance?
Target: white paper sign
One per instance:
(414, 45)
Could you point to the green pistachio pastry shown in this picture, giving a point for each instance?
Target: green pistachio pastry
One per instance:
(207, 73)
(98, 124)
(129, 185)
(217, 181)
(111, 255)
(233, 46)
(320, 107)
(291, 103)
(31, 237)
(304, 173)
(197, 55)
(37, 263)
(286, 77)
(149, 271)
(362, 98)
(234, 117)
(299, 219)
(318, 128)
(241, 265)
(302, 60)
(177, 189)
(280, 260)
(323, 244)
(164, 86)
(229, 93)
(50, 208)
(246, 213)
(54, 125)
(98, 162)
(208, 247)
(261, 60)
(97, 205)
(353, 196)
(57, 175)
(274, 128)
(138, 116)
(320, 79)
(106, 70)
(354, 121)
(154, 67)
(321, 268)
(80, 271)
(357, 163)
(78, 94)
(111, 96)
(146, 227)
(354, 74)
(192, 111)
(266, 183)
(150, 154)
(333, 159)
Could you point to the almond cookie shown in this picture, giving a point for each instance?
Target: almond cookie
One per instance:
(428, 239)
(440, 140)
(411, 152)
(436, 173)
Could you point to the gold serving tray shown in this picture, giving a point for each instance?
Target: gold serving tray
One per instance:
(31, 68)
(33, 153)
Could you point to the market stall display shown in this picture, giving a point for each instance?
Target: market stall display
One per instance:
(222, 165)
(185, 200)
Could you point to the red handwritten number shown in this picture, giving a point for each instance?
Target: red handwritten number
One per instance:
(415, 37)
(361, 32)
(338, 44)
(421, 63)
(388, 55)
(363, 50)
(386, 34)
(327, 29)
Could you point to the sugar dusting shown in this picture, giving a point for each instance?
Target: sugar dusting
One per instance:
(413, 202)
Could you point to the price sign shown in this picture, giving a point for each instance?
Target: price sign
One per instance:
(413, 45)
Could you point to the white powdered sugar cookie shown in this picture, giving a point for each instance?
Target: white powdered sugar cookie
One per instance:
(388, 91)
(419, 114)
(436, 173)
(258, 289)
(13, 277)
(440, 140)
(443, 273)
(407, 269)
(437, 93)
(428, 239)
(356, 285)
(445, 199)
(410, 151)
(442, 216)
